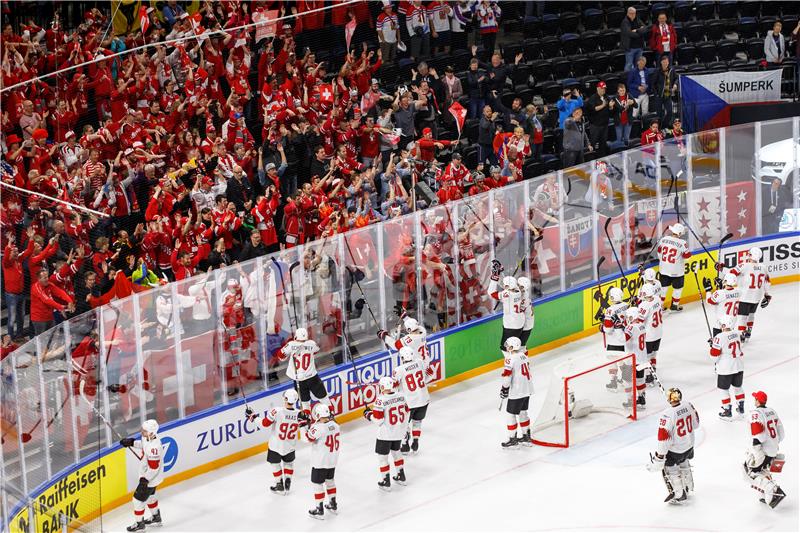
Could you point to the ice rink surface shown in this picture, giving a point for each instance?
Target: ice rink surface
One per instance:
(463, 481)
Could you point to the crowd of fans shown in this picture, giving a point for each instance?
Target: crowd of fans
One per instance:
(232, 144)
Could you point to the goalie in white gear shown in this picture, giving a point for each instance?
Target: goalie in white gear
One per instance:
(151, 474)
(512, 299)
(390, 413)
(301, 352)
(524, 285)
(517, 387)
(763, 458)
(613, 328)
(324, 438)
(412, 375)
(726, 350)
(754, 285)
(414, 337)
(725, 299)
(282, 441)
(676, 429)
(635, 344)
(650, 314)
(672, 255)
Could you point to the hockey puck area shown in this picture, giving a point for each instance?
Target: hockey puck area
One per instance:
(463, 481)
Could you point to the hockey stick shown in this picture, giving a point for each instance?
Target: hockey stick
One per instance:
(718, 265)
(107, 423)
(358, 284)
(598, 295)
(702, 300)
(660, 218)
(26, 437)
(616, 257)
(283, 293)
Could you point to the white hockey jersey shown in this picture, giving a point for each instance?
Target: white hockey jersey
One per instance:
(416, 340)
(324, 439)
(301, 359)
(753, 282)
(413, 380)
(151, 465)
(517, 374)
(615, 314)
(390, 413)
(676, 428)
(635, 335)
(672, 255)
(651, 315)
(726, 349)
(527, 304)
(284, 424)
(513, 307)
(766, 426)
(727, 302)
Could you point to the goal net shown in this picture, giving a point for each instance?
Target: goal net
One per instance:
(579, 403)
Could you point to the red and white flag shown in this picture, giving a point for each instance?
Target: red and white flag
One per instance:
(144, 20)
(739, 211)
(460, 114)
(349, 30)
(326, 93)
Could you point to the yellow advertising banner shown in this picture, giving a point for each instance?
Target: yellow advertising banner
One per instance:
(699, 262)
(79, 496)
(126, 12)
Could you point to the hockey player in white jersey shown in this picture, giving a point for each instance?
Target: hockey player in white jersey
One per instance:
(301, 352)
(390, 414)
(635, 344)
(415, 337)
(651, 278)
(412, 375)
(651, 315)
(510, 295)
(524, 285)
(324, 438)
(613, 328)
(725, 299)
(676, 430)
(151, 474)
(764, 458)
(754, 285)
(672, 255)
(284, 424)
(517, 387)
(726, 350)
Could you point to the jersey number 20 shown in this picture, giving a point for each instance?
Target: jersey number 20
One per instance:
(684, 426)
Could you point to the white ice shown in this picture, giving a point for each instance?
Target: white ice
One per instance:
(462, 479)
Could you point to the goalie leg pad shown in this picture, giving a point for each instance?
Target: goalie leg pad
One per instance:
(762, 483)
(672, 478)
(687, 479)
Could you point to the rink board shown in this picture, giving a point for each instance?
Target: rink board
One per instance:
(219, 436)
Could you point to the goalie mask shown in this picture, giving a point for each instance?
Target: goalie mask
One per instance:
(674, 396)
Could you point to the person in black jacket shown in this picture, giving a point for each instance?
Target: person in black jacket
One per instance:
(238, 190)
(496, 70)
(599, 112)
(632, 32)
(486, 132)
(219, 256)
(475, 88)
(253, 248)
(665, 87)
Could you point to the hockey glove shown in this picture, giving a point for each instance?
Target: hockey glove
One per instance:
(707, 285)
(368, 413)
(504, 392)
(656, 462)
(429, 372)
(497, 268)
(755, 457)
(718, 283)
(127, 442)
(403, 313)
(766, 300)
(718, 266)
(710, 341)
(250, 414)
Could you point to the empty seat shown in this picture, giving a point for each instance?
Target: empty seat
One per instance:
(726, 50)
(598, 62)
(616, 61)
(532, 49)
(772, 9)
(715, 30)
(717, 65)
(609, 39)
(570, 83)
(526, 95)
(542, 70)
(460, 60)
(550, 24)
(589, 40)
(532, 27)
(521, 74)
(660, 7)
(749, 9)
(642, 12)
(562, 68)
(588, 84)
(737, 64)
(694, 31)
(580, 65)
(650, 56)
(592, 19)
(754, 48)
(550, 47)
(568, 22)
(614, 16)
(551, 91)
(728, 9)
(706, 52)
(531, 169)
(685, 54)
(704, 10)
(682, 11)
(765, 25)
(510, 51)
(746, 28)
(569, 44)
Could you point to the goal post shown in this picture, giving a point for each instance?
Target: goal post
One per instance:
(579, 403)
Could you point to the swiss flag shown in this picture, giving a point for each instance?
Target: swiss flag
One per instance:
(460, 114)
(349, 30)
(739, 211)
(326, 93)
(144, 20)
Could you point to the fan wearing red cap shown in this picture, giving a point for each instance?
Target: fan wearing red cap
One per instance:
(428, 145)
(763, 458)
